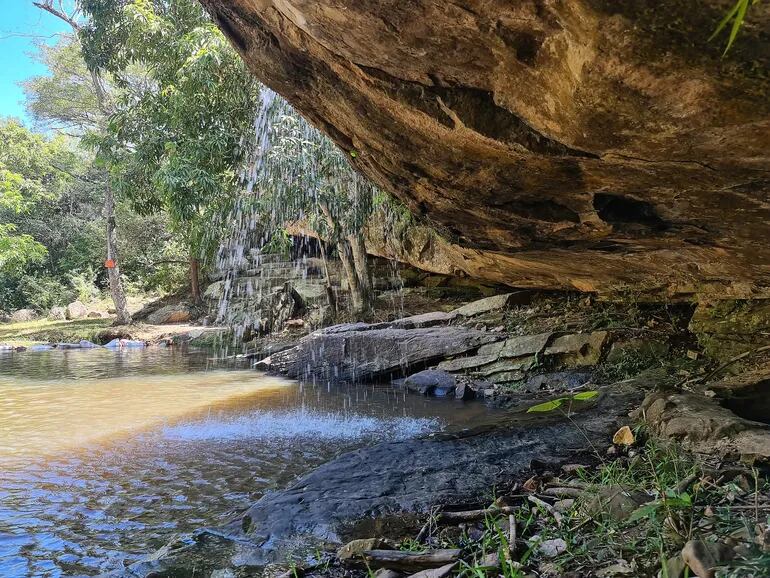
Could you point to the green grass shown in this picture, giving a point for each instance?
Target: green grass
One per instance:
(48, 331)
(706, 509)
(658, 530)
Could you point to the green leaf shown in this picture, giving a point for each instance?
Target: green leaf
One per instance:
(645, 511)
(675, 500)
(737, 22)
(585, 395)
(547, 406)
(727, 17)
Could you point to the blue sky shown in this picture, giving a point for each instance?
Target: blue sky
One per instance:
(21, 26)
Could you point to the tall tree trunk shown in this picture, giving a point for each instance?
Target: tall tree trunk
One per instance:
(116, 285)
(195, 287)
(361, 263)
(100, 92)
(330, 295)
(356, 294)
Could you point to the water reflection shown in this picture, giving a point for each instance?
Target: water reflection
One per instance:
(105, 455)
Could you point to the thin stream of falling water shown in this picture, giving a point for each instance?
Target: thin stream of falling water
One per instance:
(291, 166)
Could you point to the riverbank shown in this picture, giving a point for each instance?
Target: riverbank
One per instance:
(643, 509)
(570, 369)
(100, 331)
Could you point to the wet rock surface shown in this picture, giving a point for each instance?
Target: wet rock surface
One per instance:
(363, 489)
(432, 348)
(363, 352)
(432, 382)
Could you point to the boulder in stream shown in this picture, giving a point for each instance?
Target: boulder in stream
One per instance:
(362, 352)
(432, 382)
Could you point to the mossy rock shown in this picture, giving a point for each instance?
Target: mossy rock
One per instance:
(727, 328)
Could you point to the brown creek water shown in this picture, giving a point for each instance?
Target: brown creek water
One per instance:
(105, 456)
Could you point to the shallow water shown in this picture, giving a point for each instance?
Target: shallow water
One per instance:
(105, 455)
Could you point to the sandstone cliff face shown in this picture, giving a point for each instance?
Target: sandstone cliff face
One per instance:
(557, 143)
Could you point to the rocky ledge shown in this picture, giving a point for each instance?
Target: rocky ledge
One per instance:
(584, 144)
(458, 343)
(384, 489)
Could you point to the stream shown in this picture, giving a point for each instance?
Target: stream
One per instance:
(106, 455)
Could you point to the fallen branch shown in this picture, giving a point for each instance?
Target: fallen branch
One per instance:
(411, 561)
(563, 492)
(685, 483)
(547, 507)
(511, 536)
(473, 515)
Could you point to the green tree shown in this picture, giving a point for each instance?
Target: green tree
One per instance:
(96, 92)
(179, 131)
(30, 173)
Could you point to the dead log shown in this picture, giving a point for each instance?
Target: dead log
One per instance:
(473, 515)
(411, 561)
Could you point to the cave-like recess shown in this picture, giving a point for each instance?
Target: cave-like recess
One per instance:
(583, 144)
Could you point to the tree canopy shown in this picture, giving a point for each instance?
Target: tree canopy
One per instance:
(183, 118)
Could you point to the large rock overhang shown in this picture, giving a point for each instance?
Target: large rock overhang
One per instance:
(586, 144)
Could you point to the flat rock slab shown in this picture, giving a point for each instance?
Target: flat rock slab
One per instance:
(358, 492)
(360, 352)
(424, 320)
(517, 346)
(579, 349)
(494, 303)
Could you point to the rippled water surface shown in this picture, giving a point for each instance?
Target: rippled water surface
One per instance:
(105, 455)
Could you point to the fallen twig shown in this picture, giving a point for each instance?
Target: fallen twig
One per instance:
(563, 492)
(685, 483)
(426, 529)
(411, 561)
(732, 360)
(511, 536)
(473, 515)
(547, 507)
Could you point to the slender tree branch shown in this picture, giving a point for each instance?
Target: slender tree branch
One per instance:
(59, 12)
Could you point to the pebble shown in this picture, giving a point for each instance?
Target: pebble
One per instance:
(551, 548)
